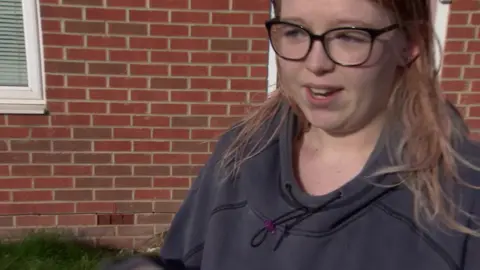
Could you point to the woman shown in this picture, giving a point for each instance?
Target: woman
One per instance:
(356, 161)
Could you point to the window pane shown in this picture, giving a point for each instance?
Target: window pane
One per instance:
(13, 60)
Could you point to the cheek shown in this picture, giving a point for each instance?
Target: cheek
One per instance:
(288, 72)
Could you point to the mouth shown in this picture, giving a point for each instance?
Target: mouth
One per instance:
(323, 90)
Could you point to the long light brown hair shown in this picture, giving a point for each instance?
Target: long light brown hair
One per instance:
(426, 153)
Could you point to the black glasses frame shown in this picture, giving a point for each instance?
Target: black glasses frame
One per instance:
(373, 33)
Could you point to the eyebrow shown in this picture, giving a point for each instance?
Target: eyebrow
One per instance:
(333, 23)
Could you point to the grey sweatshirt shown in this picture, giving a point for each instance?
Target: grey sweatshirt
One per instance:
(263, 220)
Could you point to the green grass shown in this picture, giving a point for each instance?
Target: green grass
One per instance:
(50, 251)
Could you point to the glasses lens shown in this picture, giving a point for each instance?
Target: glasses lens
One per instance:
(348, 47)
(289, 41)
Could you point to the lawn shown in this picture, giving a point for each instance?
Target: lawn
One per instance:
(49, 251)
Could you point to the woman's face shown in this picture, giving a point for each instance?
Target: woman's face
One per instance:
(336, 98)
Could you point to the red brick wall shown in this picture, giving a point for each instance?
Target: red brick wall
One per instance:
(137, 90)
(461, 73)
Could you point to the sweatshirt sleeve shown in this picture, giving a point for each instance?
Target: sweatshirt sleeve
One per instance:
(472, 246)
(186, 235)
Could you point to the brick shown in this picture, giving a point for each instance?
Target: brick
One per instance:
(87, 107)
(169, 83)
(91, 158)
(210, 4)
(154, 218)
(34, 221)
(168, 30)
(62, 40)
(60, 12)
(108, 94)
(132, 133)
(111, 120)
(85, 27)
(169, 4)
(107, 69)
(105, 14)
(127, 29)
(66, 93)
(261, 5)
(25, 196)
(77, 220)
(128, 55)
(152, 194)
(130, 108)
(47, 158)
(51, 26)
(64, 67)
(189, 146)
(112, 170)
(147, 146)
(169, 108)
(104, 41)
(171, 182)
(112, 146)
(188, 44)
(23, 120)
(86, 54)
(154, 121)
(73, 195)
(83, 2)
(72, 170)
(93, 182)
(92, 133)
(86, 81)
(30, 145)
(189, 71)
(133, 158)
(171, 158)
(144, 170)
(209, 31)
(57, 182)
(171, 133)
(190, 96)
(148, 16)
(211, 83)
(127, 3)
(50, 132)
(189, 121)
(148, 43)
(128, 182)
(230, 18)
(113, 195)
(74, 146)
(16, 183)
(229, 45)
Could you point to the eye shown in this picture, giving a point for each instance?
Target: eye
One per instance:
(292, 32)
(352, 36)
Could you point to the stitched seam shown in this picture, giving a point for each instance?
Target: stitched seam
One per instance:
(426, 238)
(193, 251)
(196, 249)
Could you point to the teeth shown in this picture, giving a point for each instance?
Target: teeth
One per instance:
(316, 91)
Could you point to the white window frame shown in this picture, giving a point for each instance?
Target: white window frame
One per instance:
(31, 99)
(441, 15)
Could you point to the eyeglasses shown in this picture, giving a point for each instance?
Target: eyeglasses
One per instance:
(345, 46)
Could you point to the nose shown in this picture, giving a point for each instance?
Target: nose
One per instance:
(317, 60)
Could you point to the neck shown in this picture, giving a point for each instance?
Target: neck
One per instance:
(361, 142)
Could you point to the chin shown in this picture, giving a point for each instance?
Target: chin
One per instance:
(324, 120)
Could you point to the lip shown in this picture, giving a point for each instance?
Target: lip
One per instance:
(324, 86)
(322, 101)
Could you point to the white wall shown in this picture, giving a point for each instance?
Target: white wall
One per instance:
(440, 14)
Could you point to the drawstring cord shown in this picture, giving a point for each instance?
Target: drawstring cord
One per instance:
(297, 215)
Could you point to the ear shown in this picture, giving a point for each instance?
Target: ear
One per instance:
(409, 53)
